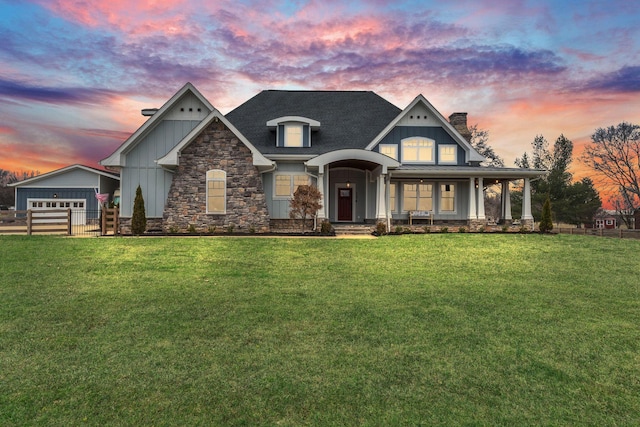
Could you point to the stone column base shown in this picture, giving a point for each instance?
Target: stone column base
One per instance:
(476, 224)
(527, 224)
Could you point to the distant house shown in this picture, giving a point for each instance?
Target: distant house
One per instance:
(73, 187)
(371, 160)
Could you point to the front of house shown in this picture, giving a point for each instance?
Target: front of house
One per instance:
(370, 160)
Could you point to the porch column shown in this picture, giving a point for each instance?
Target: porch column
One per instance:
(526, 200)
(381, 204)
(506, 201)
(473, 212)
(322, 210)
(480, 199)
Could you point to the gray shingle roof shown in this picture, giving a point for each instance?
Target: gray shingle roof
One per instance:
(348, 119)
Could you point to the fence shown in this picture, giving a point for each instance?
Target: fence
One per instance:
(50, 221)
(60, 221)
(602, 232)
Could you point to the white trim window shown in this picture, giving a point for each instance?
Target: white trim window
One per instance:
(390, 150)
(418, 150)
(293, 135)
(448, 154)
(447, 198)
(287, 184)
(216, 191)
(393, 207)
(417, 196)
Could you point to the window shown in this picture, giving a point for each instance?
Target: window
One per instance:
(417, 197)
(216, 191)
(392, 197)
(390, 150)
(293, 136)
(417, 150)
(447, 153)
(287, 184)
(447, 198)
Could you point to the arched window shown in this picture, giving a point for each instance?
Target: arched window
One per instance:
(418, 150)
(216, 191)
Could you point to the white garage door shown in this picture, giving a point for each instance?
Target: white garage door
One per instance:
(78, 208)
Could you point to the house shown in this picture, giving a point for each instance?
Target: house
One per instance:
(73, 187)
(370, 160)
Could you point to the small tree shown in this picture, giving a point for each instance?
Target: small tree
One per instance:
(305, 203)
(139, 218)
(546, 223)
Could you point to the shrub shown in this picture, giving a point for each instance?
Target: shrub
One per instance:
(252, 230)
(481, 229)
(381, 228)
(505, 228)
(191, 229)
(230, 228)
(427, 229)
(138, 218)
(212, 229)
(444, 230)
(326, 227)
(173, 229)
(462, 230)
(399, 229)
(546, 223)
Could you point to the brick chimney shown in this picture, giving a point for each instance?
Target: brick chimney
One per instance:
(459, 122)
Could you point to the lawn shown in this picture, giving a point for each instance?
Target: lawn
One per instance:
(441, 329)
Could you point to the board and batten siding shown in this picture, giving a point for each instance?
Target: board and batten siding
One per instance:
(141, 168)
(61, 193)
(279, 208)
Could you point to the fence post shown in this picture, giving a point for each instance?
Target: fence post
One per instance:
(103, 222)
(29, 220)
(116, 221)
(69, 221)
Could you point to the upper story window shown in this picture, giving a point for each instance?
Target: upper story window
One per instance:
(216, 191)
(293, 136)
(447, 154)
(390, 150)
(418, 150)
(293, 131)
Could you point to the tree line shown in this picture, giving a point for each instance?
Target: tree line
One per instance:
(614, 156)
(7, 194)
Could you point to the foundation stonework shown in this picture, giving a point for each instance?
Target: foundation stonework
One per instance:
(216, 148)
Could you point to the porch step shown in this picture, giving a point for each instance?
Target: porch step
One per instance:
(352, 229)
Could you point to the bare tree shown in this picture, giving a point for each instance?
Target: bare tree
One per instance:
(614, 154)
(305, 203)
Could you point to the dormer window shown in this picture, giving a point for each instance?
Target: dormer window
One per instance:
(293, 135)
(293, 131)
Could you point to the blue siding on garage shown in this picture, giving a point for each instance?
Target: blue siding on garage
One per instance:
(87, 194)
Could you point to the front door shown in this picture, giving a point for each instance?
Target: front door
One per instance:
(345, 204)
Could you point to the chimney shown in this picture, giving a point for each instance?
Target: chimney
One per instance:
(459, 122)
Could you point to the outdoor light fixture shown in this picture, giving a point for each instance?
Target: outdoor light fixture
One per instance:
(476, 181)
(55, 195)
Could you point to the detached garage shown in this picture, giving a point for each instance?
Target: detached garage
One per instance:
(73, 187)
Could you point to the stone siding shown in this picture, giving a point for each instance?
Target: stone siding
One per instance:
(216, 148)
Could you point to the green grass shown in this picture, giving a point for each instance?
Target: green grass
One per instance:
(452, 329)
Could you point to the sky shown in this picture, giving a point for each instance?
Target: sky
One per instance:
(74, 74)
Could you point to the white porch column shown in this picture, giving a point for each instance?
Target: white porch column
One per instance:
(506, 201)
(381, 197)
(322, 210)
(473, 212)
(480, 199)
(526, 200)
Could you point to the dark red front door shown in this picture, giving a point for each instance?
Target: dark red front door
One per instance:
(345, 204)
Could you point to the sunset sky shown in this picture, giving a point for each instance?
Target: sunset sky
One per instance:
(74, 75)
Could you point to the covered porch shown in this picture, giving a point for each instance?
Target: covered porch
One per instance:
(360, 186)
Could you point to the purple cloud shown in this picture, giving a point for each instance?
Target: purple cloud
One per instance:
(624, 80)
(69, 95)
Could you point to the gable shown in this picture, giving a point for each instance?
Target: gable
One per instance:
(414, 117)
(76, 176)
(187, 104)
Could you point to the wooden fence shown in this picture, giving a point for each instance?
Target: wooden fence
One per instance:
(601, 232)
(50, 221)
